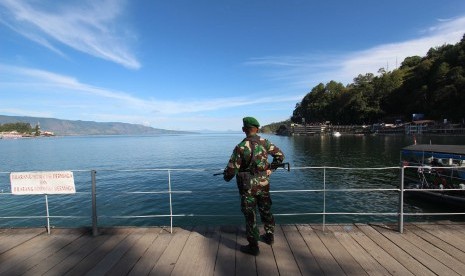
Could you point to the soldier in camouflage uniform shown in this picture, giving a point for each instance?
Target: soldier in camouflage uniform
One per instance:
(249, 163)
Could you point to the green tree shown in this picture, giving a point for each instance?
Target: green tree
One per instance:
(37, 130)
(410, 62)
(433, 85)
(19, 127)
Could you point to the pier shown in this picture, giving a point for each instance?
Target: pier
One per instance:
(350, 249)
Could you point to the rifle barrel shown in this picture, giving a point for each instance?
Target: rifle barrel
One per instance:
(282, 165)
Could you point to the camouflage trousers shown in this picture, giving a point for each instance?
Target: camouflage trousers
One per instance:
(256, 194)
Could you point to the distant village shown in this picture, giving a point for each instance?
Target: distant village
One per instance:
(16, 135)
(22, 130)
(416, 126)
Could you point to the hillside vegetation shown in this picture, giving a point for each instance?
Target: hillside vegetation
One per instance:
(433, 85)
(18, 127)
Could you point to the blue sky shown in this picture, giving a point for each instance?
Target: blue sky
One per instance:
(203, 64)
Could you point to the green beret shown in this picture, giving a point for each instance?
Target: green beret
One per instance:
(250, 122)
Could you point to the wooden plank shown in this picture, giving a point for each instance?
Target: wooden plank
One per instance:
(378, 247)
(452, 250)
(3, 231)
(154, 252)
(418, 253)
(345, 260)
(129, 260)
(116, 253)
(17, 237)
(457, 225)
(60, 262)
(456, 228)
(46, 249)
(245, 264)
(90, 260)
(266, 263)
(325, 260)
(369, 264)
(16, 255)
(437, 253)
(283, 254)
(213, 235)
(302, 254)
(440, 232)
(446, 230)
(226, 259)
(209, 249)
(172, 249)
(191, 254)
(423, 249)
(197, 257)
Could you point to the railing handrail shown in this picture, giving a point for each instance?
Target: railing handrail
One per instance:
(169, 191)
(213, 170)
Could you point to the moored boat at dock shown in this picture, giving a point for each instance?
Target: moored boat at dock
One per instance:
(435, 173)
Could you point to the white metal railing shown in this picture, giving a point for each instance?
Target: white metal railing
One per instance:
(400, 213)
(403, 190)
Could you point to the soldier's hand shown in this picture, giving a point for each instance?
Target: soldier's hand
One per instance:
(268, 172)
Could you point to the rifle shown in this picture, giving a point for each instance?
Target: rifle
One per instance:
(273, 166)
(215, 174)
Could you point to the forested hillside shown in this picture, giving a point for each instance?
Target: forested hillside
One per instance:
(433, 85)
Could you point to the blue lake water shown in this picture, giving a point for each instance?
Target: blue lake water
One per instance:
(132, 178)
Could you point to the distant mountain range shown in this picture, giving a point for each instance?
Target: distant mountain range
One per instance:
(68, 127)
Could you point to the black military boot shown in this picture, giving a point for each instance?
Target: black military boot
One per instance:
(251, 249)
(267, 238)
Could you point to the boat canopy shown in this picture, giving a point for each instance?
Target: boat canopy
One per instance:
(438, 151)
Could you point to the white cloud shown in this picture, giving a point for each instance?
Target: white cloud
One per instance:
(13, 76)
(309, 70)
(92, 28)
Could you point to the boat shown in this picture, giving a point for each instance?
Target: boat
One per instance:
(435, 173)
(336, 134)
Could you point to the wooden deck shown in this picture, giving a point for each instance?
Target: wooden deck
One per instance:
(360, 249)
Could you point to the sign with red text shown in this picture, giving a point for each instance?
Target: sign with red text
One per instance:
(30, 183)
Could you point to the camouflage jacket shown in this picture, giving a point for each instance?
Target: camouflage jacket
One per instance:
(243, 160)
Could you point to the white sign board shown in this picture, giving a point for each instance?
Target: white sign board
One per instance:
(30, 183)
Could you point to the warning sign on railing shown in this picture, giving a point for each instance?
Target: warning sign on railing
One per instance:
(27, 183)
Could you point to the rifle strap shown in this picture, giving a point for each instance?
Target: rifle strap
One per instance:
(254, 140)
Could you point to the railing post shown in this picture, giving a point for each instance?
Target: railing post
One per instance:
(401, 200)
(324, 198)
(48, 214)
(171, 205)
(94, 203)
